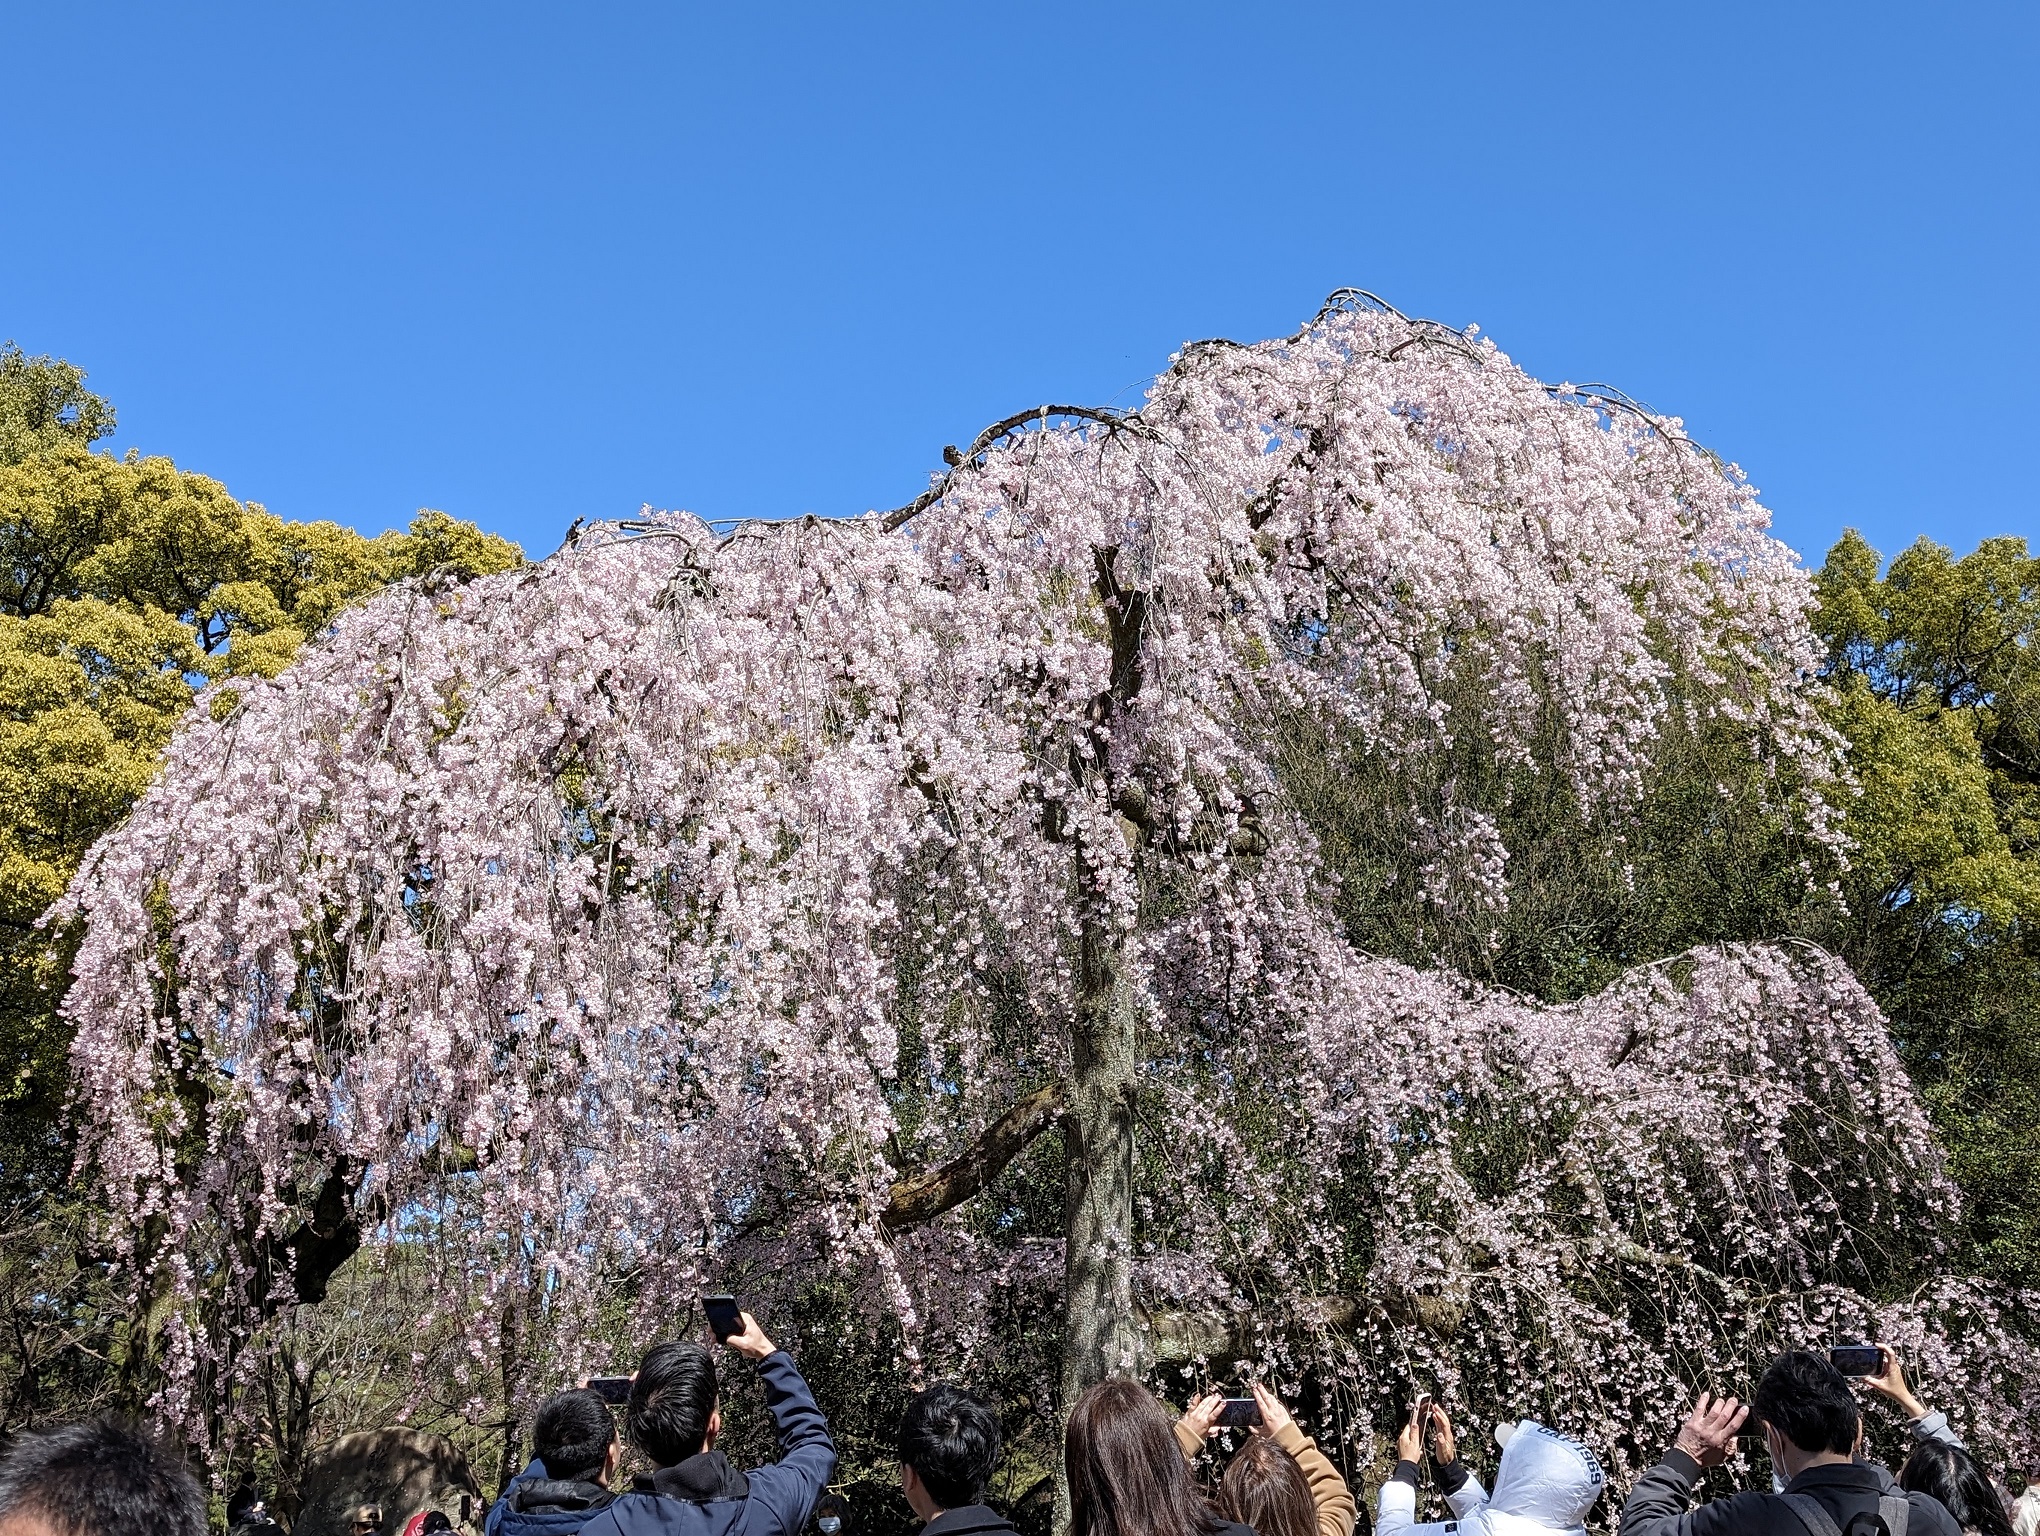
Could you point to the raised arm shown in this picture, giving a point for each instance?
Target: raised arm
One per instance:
(1329, 1496)
(1463, 1491)
(789, 1488)
(1927, 1424)
(1395, 1512)
(1199, 1420)
(1659, 1503)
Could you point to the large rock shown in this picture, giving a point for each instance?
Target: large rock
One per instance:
(401, 1471)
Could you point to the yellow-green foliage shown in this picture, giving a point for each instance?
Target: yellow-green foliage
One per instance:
(1937, 687)
(125, 585)
(44, 404)
(88, 692)
(1927, 821)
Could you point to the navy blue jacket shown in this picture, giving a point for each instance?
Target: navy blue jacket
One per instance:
(705, 1496)
(535, 1505)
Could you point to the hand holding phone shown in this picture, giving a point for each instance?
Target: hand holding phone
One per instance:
(1409, 1444)
(1239, 1413)
(1275, 1415)
(1444, 1443)
(1202, 1415)
(611, 1389)
(735, 1328)
(1889, 1381)
(725, 1318)
(1857, 1359)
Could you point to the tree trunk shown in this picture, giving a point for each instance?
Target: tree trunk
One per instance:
(1101, 1335)
(512, 1460)
(1099, 1329)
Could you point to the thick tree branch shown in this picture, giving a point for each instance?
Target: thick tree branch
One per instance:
(312, 1252)
(921, 1197)
(331, 1232)
(1126, 614)
(1172, 1336)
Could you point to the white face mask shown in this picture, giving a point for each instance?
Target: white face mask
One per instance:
(828, 1525)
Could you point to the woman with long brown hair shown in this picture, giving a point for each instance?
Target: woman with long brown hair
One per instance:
(1279, 1483)
(1127, 1477)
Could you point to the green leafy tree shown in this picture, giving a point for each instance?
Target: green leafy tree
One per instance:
(44, 404)
(1938, 691)
(126, 586)
(1704, 855)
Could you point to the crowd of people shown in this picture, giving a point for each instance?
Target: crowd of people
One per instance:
(1130, 1470)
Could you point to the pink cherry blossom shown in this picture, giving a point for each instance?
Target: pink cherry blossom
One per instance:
(646, 913)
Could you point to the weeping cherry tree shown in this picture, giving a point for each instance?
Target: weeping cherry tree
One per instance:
(702, 903)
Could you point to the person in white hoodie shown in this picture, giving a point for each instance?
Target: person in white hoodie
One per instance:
(1397, 1511)
(2026, 1508)
(1545, 1486)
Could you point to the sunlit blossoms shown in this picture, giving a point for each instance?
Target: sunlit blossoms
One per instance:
(655, 914)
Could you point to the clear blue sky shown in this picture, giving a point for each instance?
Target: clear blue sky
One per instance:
(527, 264)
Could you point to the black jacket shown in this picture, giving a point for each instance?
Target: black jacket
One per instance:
(1657, 1505)
(970, 1520)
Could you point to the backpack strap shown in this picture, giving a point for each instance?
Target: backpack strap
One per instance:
(1895, 1508)
(1812, 1514)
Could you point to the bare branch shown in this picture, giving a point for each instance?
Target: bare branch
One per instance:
(921, 1197)
(983, 442)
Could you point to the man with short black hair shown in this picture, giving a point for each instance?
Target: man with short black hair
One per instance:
(674, 1412)
(1814, 1429)
(574, 1442)
(675, 1418)
(949, 1445)
(98, 1479)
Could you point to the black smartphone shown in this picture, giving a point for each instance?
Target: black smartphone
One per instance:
(1238, 1413)
(611, 1389)
(1856, 1359)
(725, 1317)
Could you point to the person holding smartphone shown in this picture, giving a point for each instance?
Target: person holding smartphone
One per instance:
(1940, 1464)
(1125, 1471)
(675, 1418)
(1427, 1424)
(1813, 1428)
(1888, 1380)
(1279, 1483)
(1545, 1485)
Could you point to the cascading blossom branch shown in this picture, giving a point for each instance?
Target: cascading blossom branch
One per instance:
(695, 902)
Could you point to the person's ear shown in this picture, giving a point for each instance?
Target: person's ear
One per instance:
(714, 1426)
(908, 1477)
(610, 1459)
